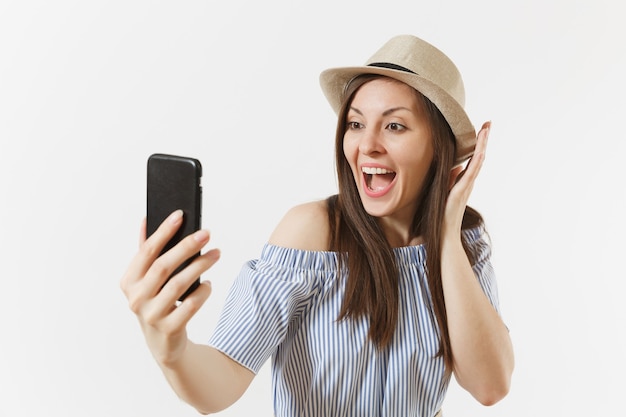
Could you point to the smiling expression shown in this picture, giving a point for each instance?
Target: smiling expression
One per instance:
(388, 144)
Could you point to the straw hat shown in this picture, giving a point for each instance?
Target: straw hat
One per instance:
(422, 66)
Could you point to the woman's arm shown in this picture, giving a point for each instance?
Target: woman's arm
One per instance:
(206, 378)
(481, 346)
(200, 375)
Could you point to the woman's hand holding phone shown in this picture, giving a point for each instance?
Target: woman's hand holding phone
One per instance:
(154, 299)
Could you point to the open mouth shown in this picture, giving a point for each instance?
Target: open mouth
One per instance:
(377, 179)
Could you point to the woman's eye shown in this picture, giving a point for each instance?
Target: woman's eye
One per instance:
(354, 125)
(397, 127)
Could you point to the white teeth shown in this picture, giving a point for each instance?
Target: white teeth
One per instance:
(373, 170)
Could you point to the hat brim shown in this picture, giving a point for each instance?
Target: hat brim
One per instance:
(334, 81)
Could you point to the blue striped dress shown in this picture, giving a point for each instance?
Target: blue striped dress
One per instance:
(285, 305)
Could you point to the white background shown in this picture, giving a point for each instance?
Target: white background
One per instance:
(88, 89)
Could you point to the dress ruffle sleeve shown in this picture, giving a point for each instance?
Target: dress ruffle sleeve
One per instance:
(266, 298)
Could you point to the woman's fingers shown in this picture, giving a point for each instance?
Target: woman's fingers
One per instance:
(477, 160)
(171, 291)
(144, 283)
(181, 315)
(455, 176)
(163, 312)
(149, 249)
(142, 232)
(165, 265)
(465, 179)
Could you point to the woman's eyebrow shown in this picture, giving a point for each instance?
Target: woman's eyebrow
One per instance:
(395, 109)
(385, 113)
(354, 109)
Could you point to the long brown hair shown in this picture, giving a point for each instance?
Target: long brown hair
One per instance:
(372, 282)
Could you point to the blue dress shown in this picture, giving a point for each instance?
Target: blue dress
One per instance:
(285, 305)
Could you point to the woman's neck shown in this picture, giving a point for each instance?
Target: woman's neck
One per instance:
(399, 233)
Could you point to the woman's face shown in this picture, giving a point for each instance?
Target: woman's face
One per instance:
(389, 148)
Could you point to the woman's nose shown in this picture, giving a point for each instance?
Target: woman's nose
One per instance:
(371, 142)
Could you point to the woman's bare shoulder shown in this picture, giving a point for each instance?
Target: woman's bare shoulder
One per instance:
(303, 227)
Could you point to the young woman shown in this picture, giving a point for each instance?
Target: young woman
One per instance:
(368, 301)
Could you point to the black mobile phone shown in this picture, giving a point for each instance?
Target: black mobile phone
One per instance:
(174, 182)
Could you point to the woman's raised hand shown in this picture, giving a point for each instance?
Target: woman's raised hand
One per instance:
(163, 320)
(462, 182)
